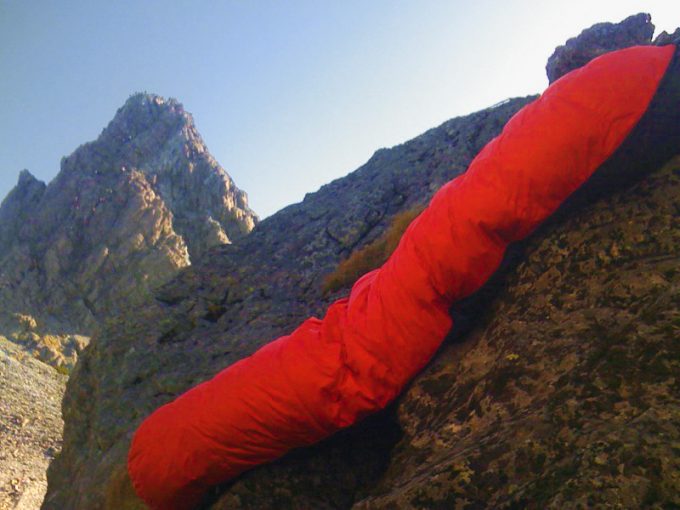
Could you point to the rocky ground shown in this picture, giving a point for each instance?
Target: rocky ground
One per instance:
(30, 426)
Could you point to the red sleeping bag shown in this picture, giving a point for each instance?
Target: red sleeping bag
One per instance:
(329, 373)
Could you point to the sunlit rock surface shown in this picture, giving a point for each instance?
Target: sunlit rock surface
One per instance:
(123, 215)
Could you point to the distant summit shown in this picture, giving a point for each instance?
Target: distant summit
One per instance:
(123, 215)
(157, 137)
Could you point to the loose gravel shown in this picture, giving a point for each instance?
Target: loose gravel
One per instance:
(30, 426)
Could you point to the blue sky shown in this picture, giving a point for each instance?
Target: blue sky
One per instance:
(287, 95)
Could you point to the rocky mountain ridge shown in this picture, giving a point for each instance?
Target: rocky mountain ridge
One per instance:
(123, 215)
(545, 403)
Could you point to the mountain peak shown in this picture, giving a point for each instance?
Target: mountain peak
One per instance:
(26, 178)
(17, 206)
(145, 102)
(147, 113)
(26, 193)
(146, 195)
(157, 138)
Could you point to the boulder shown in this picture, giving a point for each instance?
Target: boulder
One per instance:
(598, 40)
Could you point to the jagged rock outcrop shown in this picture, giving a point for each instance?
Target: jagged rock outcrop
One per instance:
(666, 38)
(17, 206)
(159, 139)
(598, 40)
(123, 215)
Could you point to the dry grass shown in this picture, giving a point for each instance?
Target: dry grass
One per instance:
(119, 494)
(372, 255)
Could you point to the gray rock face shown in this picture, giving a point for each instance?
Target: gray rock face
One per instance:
(157, 138)
(598, 40)
(123, 215)
(666, 38)
(18, 205)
